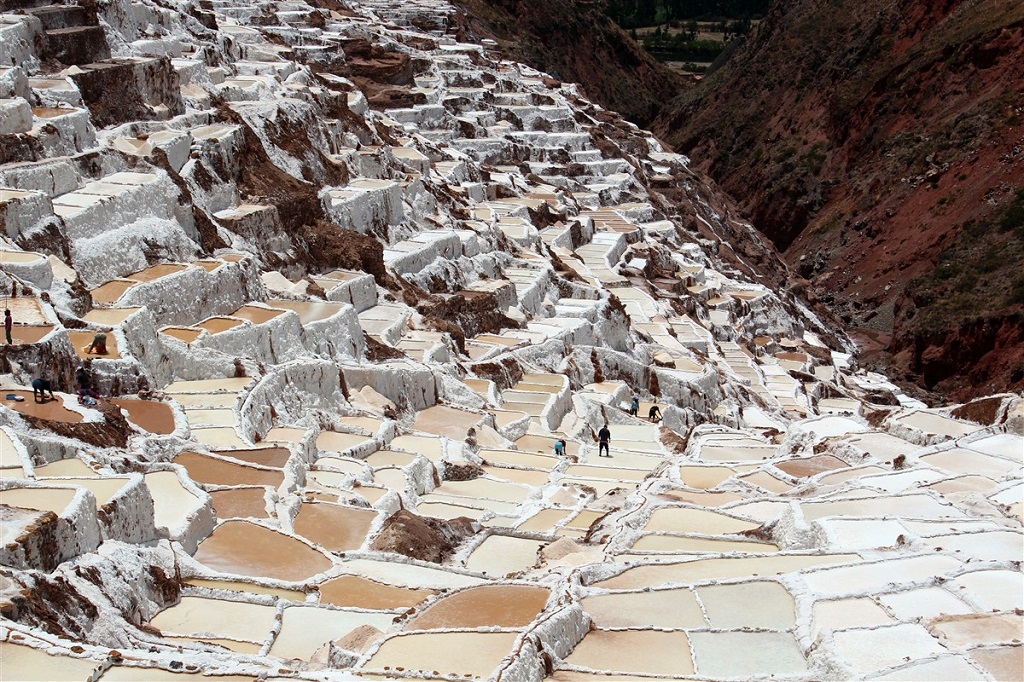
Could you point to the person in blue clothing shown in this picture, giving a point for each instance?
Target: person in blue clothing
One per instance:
(604, 438)
(634, 407)
(559, 448)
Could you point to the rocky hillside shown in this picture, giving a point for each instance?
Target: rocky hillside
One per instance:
(575, 41)
(879, 145)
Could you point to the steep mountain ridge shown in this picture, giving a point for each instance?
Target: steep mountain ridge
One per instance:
(875, 143)
(574, 40)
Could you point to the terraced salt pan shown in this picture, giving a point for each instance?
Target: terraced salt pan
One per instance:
(210, 417)
(390, 458)
(501, 555)
(109, 317)
(936, 424)
(243, 548)
(964, 461)
(1003, 663)
(927, 602)
(53, 500)
(545, 520)
(240, 503)
(80, 340)
(337, 528)
(186, 334)
(718, 569)
(172, 502)
(483, 488)
(866, 651)
(992, 590)
(429, 447)
(210, 470)
(1002, 444)
(704, 477)
(218, 324)
(634, 651)
(65, 467)
(52, 410)
(306, 628)
(217, 617)
(669, 609)
(745, 654)
(409, 574)
(220, 438)
(945, 668)
(506, 606)
(248, 588)
(841, 614)
(689, 520)
(151, 415)
(676, 544)
(26, 663)
(466, 654)
(359, 592)
(875, 577)
(522, 476)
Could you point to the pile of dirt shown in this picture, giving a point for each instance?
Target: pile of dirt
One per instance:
(423, 538)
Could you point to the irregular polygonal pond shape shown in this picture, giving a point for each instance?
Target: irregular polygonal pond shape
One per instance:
(945, 668)
(333, 441)
(840, 477)
(272, 457)
(306, 628)
(963, 461)
(337, 527)
(442, 510)
(216, 471)
(250, 588)
(53, 500)
(428, 446)
(847, 613)
(895, 482)
(1004, 663)
(671, 609)
(390, 458)
(966, 631)
(1003, 444)
(993, 590)
(926, 602)
(866, 651)
(475, 654)
(743, 654)
(675, 543)
(634, 651)
(878, 576)
(689, 520)
(612, 473)
(850, 534)
(409, 575)
(172, 502)
(485, 488)
(913, 506)
(519, 459)
(446, 421)
(244, 548)
(52, 410)
(932, 423)
(754, 604)
(217, 617)
(523, 476)
(507, 606)
(150, 415)
(25, 663)
(718, 569)
(359, 592)
(64, 467)
(544, 520)
(702, 478)
(811, 466)
(993, 546)
(501, 555)
(124, 673)
(218, 437)
(702, 499)
(764, 480)
(240, 503)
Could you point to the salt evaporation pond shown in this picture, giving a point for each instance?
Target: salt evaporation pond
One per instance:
(243, 548)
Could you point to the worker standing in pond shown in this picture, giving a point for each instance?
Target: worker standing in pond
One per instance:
(634, 406)
(40, 387)
(654, 414)
(604, 438)
(559, 448)
(8, 325)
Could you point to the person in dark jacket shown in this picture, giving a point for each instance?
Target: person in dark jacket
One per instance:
(654, 414)
(604, 438)
(40, 387)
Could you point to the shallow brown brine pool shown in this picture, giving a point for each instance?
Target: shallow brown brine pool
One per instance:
(243, 548)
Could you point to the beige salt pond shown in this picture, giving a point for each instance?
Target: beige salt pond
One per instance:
(501, 555)
(703, 477)
(210, 470)
(65, 467)
(216, 325)
(308, 311)
(508, 606)
(217, 617)
(518, 459)
(333, 441)
(544, 520)
(221, 385)
(80, 340)
(109, 317)
(53, 500)
(186, 334)
(688, 520)
(51, 410)
(358, 592)
(219, 437)
(210, 417)
(25, 663)
(256, 314)
(390, 458)
(474, 654)
(248, 588)
(30, 334)
(270, 457)
(150, 415)
(111, 292)
(428, 446)
(172, 502)
(305, 628)
(243, 548)
(763, 653)
(156, 272)
(634, 651)
(336, 527)
(240, 503)
(677, 544)
(719, 569)
(811, 466)
(670, 609)
(446, 421)
(482, 488)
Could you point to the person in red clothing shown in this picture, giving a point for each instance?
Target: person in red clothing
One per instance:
(8, 325)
